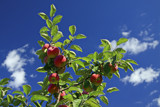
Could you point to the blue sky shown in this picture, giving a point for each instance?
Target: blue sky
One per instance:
(137, 20)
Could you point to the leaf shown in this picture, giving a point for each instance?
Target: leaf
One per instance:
(68, 97)
(9, 98)
(121, 40)
(72, 29)
(43, 16)
(129, 66)
(54, 30)
(117, 74)
(46, 36)
(26, 89)
(131, 61)
(76, 47)
(95, 56)
(65, 76)
(121, 50)
(49, 23)
(53, 10)
(92, 103)
(44, 29)
(104, 99)
(41, 43)
(18, 92)
(57, 37)
(80, 36)
(106, 44)
(37, 104)
(79, 63)
(75, 89)
(38, 97)
(96, 93)
(4, 81)
(110, 90)
(76, 102)
(41, 69)
(57, 19)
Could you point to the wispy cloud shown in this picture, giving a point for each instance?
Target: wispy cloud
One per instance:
(155, 103)
(135, 46)
(142, 75)
(153, 92)
(15, 62)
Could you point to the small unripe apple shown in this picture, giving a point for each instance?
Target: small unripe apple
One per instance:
(53, 88)
(60, 61)
(46, 46)
(53, 78)
(52, 52)
(63, 106)
(45, 59)
(96, 79)
(61, 70)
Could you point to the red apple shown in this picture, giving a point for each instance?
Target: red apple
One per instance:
(53, 88)
(61, 70)
(60, 61)
(52, 52)
(45, 59)
(96, 79)
(46, 46)
(113, 68)
(63, 106)
(53, 78)
(62, 94)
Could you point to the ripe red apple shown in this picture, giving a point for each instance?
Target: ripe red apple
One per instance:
(113, 68)
(45, 59)
(46, 46)
(53, 78)
(53, 88)
(60, 61)
(61, 70)
(62, 94)
(96, 79)
(63, 106)
(52, 52)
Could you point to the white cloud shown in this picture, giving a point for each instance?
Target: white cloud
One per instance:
(15, 62)
(141, 75)
(33, 76)
(155, 103)
(126, 34)
(33, 51)
(135, 46)
(153, 92)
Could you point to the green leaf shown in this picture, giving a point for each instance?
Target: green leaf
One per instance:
(9, 98)
(38, 97)
(104, 99)
(110, 90)
(75, 89)
(37, 104)
(41, 69)
(53, 10)
(117, 74)
(26, 89)
(106, 44)
(76, 47)
(129, 66)
(121, 50)
(43, 16)
(80, 36)
(54, 30)
(96, 93)
(18, 92)
(57, 37)
(79, 63)
(4, 81)
(41, 43)
(57, 19)
(46, 36)
(131, 61)
(68, 97)
(76, 102)
(92, 103)
(58, 44)
(72, 29)
(71, 37)
(44, 29)
(65, 76)
(122, 40)
(49, 23)
(67, 41)
(39, 52)
(87, 59)
(95, 56)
